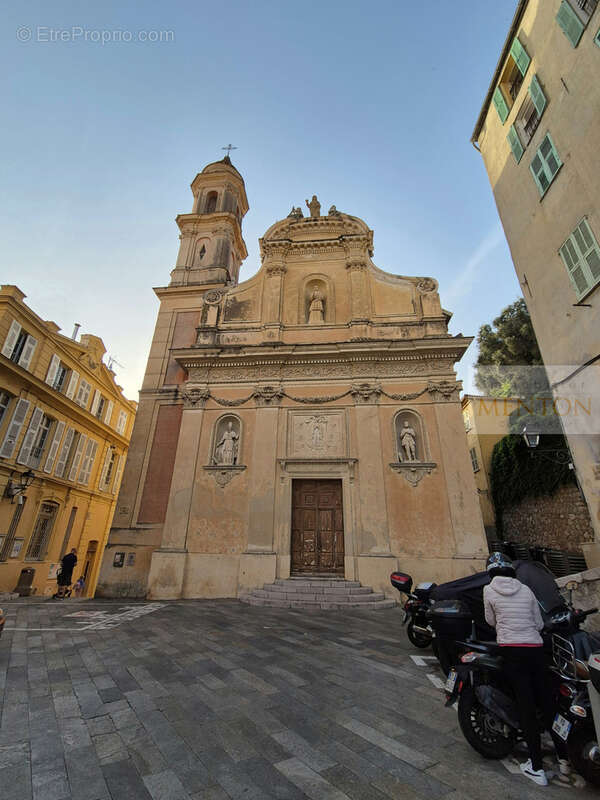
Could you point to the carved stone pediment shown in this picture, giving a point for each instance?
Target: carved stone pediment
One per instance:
(414, 471)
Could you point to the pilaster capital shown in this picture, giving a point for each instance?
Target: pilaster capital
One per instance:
(194, 396)
(268, 395)
(366, 393)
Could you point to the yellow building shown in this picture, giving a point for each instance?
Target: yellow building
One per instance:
(538, 134)
(64, 432)
(486, 422)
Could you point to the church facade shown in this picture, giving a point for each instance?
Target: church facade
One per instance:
(306, 421)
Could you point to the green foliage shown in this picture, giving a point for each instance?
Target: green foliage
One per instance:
(518, 472)
(509, 361)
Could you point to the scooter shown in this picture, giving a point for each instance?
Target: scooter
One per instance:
(487, 711)
(416, 608)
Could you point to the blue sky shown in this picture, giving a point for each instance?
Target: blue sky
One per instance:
(370, 105)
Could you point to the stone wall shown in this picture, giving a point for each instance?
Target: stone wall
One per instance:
(560, 521)
(587, 593)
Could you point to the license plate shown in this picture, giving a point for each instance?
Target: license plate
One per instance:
(562, 727)
(451, 680)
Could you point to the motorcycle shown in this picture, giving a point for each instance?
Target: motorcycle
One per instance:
(487, 711)
(416, 608)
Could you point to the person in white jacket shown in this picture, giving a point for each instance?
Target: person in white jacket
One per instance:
(512, 608)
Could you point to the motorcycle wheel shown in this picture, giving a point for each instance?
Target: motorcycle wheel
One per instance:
(419, 639)
(576, 746)
(483, 730)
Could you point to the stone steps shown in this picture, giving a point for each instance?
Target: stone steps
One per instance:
(316, 594)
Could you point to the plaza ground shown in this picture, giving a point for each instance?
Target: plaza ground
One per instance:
(212, 700)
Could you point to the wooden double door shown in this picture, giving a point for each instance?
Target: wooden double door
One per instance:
(317, 527)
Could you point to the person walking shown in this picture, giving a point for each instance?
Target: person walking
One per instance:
(512, 609)
(65, 574)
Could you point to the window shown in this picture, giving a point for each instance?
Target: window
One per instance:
(19, 345)
(530, 112)
(57, 373)
(581, 256)
(511, 79)
(98, 405)
(597, 38)
(5, 399)
(65, 452)
(474, 461)
(122, 422)
(9, 540)
(14, 429)
(211, 203)
(75, 455)
(545, 165)
(83, 394)
(108, 469)
(40, 442)
(573, 17)
(40, 537)
(87, 462)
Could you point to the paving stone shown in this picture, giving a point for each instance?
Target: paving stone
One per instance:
(124, 782)
(165, 786)
(351, 784)
(297, 746)
(98, 725)
(310, 782)
(16, 782)
(85, 775)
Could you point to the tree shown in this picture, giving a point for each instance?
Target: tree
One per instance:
(509, 361)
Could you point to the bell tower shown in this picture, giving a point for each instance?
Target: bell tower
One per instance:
(212, 247)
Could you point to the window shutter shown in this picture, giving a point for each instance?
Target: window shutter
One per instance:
(72, 384)
(64, 453)
(27, 353)
(570, 23)
(515, 143)
(118, 474)
(88, 460)
(597, 38)
(77, 457)
(500, 103)
(520, 56)
(29, 438)
(102, 481)
(14, 429)
(52, 370)
(122, 422)
(109, 410)
(592, 251)
(54, 447)
(95, 401)
(11, 339)
(537, 95)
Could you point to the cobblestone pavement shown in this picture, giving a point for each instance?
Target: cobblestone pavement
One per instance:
(214, 699)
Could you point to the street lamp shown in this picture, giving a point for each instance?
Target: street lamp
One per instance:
(13, 488)
(531, 434)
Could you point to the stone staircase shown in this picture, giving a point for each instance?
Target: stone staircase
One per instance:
(316, 593)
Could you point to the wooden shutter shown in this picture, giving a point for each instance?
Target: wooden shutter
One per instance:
(581, 256)
(102, 481)
(77, 457)
(571, 25)
(520, 56)
(11, 339)
(537, 95)
(118, 470)
(28, 350)
(54, 447)
(29, 438)
(14, 429)
(95, 401)
(589, 248)
(72, 384)
(64, 453)
(52, 370)
(88, 460)
(515, 143)
(501, 105)
(109, 410)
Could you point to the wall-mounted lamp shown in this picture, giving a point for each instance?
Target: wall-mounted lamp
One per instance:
(13, 488)
(531, 434)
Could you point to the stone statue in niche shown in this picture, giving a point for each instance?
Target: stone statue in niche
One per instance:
(316, 308)
(314, 206)
(226, 449)
(408, 442)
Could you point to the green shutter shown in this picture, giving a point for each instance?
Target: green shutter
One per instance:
(590, 249)
(597, 38)
(515, 143)
(500, 103)
(537, 95)
(570, 23)
(520, 56)
(545, 164)
(581, 256)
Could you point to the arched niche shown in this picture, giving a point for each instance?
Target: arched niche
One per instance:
(226, 446)
(409, 436)
(200, 252)
(317, 306)
(210, 203)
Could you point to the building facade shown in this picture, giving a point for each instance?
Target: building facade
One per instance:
(538, 136)
(305, 421)
(64, 433)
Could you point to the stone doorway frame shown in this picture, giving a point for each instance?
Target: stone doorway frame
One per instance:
(314, 469)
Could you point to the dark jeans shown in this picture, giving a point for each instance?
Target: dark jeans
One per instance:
(525, 669)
